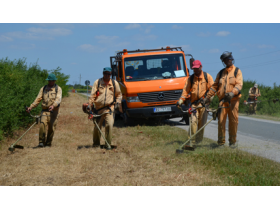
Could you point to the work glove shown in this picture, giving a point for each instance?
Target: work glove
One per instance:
(117, 106)
(228, 96)
(179, 103)
(88, 108)
(206, 100)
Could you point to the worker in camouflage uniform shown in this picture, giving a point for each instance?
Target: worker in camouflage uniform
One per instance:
(50, 95)
(254, 93)
(105, 97)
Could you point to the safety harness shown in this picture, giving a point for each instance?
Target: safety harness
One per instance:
(220, 75)
(97, 94)
(205, 77)
(56, 89)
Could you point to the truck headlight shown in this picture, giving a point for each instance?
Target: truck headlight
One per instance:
(133, 99)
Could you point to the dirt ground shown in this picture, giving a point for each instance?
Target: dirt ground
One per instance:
(138, 159)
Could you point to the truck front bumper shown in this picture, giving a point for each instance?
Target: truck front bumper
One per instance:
(148, 112)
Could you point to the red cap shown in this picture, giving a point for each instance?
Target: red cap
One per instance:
(196, 64)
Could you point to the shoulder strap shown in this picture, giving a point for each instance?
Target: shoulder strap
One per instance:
(113, 81)
(192, 78)
(98, 83)
(56, 88)
(236, 71)
(221, 72)
(205, 76)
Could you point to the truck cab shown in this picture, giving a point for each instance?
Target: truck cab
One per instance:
(151, 82)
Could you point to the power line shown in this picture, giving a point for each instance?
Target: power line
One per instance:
(258, 64)
(248, 56)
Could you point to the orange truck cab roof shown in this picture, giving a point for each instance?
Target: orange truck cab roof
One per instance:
(151, 81)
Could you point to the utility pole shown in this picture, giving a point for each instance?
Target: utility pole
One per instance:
(80, 78)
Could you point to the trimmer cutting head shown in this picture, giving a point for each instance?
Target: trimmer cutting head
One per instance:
(13, 147)
(105, 147)
(186, 147)
(179, 151)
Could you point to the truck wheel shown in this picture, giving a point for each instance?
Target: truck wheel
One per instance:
(186, 118)
(127, 120)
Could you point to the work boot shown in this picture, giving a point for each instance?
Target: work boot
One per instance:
(95, 145)
(220, 146)
(41, 145)
(233, 145)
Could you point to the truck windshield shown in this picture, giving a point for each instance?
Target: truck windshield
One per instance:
(154, 67)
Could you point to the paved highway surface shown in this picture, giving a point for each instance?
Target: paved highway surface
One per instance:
(257, 136)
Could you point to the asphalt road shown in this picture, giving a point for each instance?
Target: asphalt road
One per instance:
(257, 136)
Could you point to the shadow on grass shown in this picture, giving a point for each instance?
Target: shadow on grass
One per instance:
(95, 147)
(175, 142)
(147, 122)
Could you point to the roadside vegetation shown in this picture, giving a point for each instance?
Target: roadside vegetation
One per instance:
(20, 85)
(145, 156)
(263, 108)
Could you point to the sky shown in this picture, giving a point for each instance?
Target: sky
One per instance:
(85, 49)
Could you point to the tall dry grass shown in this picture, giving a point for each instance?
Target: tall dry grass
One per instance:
(140, 157)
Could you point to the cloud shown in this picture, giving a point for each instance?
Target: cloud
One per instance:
(214, 51)
(91, 49)
(4, 38)
(73, 63)
(133, 26)
(39, 33)
(261, 46)
(177, 27)
(202, 34)
(50, 32)
(186, 47)
(106, 39)
(149, 28)
(139, 37)
(223, 33)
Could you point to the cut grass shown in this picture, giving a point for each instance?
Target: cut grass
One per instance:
(145, 156)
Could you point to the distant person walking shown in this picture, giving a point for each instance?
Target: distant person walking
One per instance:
(254, 93)
(227, 86)
(105, 97)
(50, 95)
(196, 88)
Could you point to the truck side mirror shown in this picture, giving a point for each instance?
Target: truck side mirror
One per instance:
(191, 62)
(114, 70)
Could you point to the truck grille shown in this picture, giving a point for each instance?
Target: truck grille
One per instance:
(171, 95)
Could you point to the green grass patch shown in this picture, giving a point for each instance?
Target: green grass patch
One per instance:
(233, 166)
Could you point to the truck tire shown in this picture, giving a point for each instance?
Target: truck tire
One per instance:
(127, 120)
(186, 118)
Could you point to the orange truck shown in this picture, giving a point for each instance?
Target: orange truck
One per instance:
(151, 82)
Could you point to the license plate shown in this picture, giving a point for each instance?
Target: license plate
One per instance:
(162, 109)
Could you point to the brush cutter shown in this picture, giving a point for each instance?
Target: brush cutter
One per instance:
(254, 102)
(193, 110)
(93, 116)
(13, 146)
